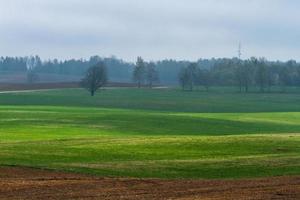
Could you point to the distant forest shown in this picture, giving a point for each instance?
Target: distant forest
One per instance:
(221, 72)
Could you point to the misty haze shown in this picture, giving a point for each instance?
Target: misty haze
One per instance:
(131, 99)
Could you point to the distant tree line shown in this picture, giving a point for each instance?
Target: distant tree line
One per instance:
(117, 68)
(253, 72)
(244, 74)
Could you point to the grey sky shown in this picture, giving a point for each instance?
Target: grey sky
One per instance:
(154, 29)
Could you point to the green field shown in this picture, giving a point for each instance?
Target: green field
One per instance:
(162, 133)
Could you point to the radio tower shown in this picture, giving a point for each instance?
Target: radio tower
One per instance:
(240, 51)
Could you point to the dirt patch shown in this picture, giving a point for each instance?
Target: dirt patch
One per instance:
(23, 183)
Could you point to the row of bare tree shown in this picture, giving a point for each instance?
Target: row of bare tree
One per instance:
(145, 73)
(244, 74)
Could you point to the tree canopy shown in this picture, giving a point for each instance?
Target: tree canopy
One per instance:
(95, 78)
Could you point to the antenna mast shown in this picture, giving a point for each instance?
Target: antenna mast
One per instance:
(240, 50)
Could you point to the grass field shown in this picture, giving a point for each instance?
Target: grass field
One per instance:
(162, 133)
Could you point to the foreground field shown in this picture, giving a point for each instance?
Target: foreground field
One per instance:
(121, 141)
(24, 183)
(120, 137)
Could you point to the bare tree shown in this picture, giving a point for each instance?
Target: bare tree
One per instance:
(32, 76)
(261, 74)
(151, 74)
(188, 76)
(31, 64)
(270, 78)
(203, 78)
(239, 74)
(139, 72)
(192, 74)
(284, 78)
(183, 78)
(248, 73)
(95, 78)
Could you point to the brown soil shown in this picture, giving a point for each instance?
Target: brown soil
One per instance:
(23, 183)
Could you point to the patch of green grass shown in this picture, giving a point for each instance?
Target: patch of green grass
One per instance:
(148, 143)
(220, 100)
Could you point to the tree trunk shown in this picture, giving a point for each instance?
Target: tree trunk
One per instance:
(262, 89)
(240, 86)
(207, 88)
(283, 88)
(92, 93)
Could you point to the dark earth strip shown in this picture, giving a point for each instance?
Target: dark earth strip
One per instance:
(24, 183)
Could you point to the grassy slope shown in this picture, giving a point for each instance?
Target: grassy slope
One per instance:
(172, 143)
(216, 101)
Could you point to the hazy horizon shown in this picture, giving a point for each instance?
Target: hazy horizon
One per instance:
(154, 29)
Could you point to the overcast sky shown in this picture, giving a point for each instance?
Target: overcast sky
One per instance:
(153, 29)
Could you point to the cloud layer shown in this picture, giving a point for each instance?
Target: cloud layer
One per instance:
(155, 29)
